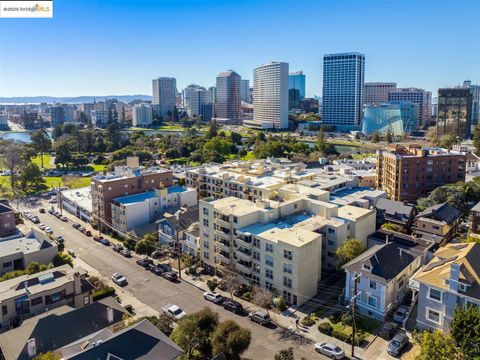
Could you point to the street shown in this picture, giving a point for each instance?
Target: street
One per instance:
(156, 291)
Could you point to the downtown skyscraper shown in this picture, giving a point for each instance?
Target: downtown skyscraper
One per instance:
(296, 80)
(164, 96)
(228, 103)
(343, 87)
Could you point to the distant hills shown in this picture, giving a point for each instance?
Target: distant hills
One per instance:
(70, 100)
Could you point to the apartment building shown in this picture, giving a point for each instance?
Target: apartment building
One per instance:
(416, 96)
(407, 174)
(125, 180)
(449, 280)
(249, 180)
(29, 295)
(134, 211)
(77, 202)
(7, 221)
(266, 241)
(377, 92)
(474, 219)
(438, 223)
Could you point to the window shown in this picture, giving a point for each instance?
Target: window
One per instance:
(269, 260)
(331, 231)
(287, 268)
(287, 254)
(205, 222)
(372, 301)
(36, 301)
(86, 300)
(4, 310)
(367, 267)
(268, 247)
(256, 243)
(205, 255)
(331, 243)
(373, 284)
(206, 244)
(435, 294)
(205, 211)
(269, 274)
(433, 315)
(287, 282)
(7, 264)
(256, 268)
(235, 219)
(256, 255)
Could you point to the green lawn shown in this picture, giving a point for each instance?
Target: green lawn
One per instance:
(249, 156)
(50, 181)
(98, 167)
(46, 161)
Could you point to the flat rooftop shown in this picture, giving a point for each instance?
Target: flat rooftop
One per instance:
(176, 189)
(30, 243)
(352, 212)
(81, 196)
(136, 198)
(285, 223)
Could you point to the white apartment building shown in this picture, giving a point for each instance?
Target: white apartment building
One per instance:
(270, 96)
(100, 118)
(244, 179)
(142, 115)
(164, 95)
(134, 211)
(283, 244)
(77, 202)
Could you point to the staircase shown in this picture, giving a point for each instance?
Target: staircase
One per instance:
(411, 322)
(7, 325)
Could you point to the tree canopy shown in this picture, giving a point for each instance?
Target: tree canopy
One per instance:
(349, 250)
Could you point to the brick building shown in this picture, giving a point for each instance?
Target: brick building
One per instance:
(407, 174)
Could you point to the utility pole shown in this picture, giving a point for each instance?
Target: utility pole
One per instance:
(177, 216)
(354, 326)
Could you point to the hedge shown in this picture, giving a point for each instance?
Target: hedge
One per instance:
(103, 293)
(325, 328)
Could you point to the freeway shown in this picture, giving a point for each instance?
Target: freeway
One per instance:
(156, 291)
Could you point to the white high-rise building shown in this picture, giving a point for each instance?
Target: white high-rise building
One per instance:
(142, 115)
(100, 118)
(270, 96)
(164, 95)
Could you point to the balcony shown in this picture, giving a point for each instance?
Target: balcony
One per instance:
(222, 260)
(241, 242)
(242, 254)
(222, 235)
(223, 246)
(243, 268)
(223, 223)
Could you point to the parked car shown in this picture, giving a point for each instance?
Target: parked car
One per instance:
(170, 275)
(144, 262)
(60, 239)
(63, 218)
(117, 248)
(233, 306)
(125, 252)
(42, 211)
(260, 317)
(157, 254)
(81, 229)
(388, 330)
(48, 230)
(119, 279)
(174, 311)
(396, 345)
(76, 226)
(213, 297)
(400, 314)
(104, 242)
(35, 219)
(329, 349)
(97, 238)
(42, 226)
(87, 232)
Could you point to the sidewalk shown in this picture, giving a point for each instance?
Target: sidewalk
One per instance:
(373, 351)
(126, 298)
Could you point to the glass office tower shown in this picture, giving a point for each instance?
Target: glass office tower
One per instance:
(343, 87)
(296, 80)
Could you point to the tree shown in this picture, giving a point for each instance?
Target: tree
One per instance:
(47, 356)
(262, 297)
(163, 322)
(144, 246)
(13, 161)
(61, 259)
(212, 130)
(465, 329)
(193, 333)
(350, 249)
(391, 226)
(212, 284)
(437, 346)
(63, 154)
(476, 138)
(31, 179)
(285, 354)
(375, 137)
(232, 282)
(41, 142)
(389, 136)
(230, 339)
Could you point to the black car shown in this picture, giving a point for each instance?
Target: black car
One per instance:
(388, 330)
(42, 211)
(233, 306)
(144, 262)
(157, 269)
(170, 275)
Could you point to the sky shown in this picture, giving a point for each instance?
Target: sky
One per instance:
(112, 47)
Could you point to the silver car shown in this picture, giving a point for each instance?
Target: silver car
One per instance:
(329, 349)
(396, 345)
(119, 279)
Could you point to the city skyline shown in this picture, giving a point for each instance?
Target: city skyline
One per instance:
(71, 57)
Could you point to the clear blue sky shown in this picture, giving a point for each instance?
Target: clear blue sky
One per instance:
(107, 47)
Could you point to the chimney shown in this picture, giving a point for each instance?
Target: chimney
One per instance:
(387, 239)
(78, 283)
(110, 315)
(32, 348)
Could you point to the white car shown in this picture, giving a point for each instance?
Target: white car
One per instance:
(213, 297)
(42, 226)
(119, 279)
(174, 311)
(329, 349)
(48, 230)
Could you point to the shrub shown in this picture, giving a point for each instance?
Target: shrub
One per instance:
(281, 304)
(347, 319)
(308, 321)
(334, 318)
(61, 259)
(247, 295)
(345, 337)
(212, 284)
(103, 293)
(325, 328)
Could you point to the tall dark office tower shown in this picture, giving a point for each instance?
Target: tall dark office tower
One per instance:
(164, 95)
(343, 87)
(454, 112)
(227, 106)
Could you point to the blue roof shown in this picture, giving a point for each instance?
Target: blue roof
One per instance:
(286, 223)
(346, 192)
(175, 189)
(130, 199)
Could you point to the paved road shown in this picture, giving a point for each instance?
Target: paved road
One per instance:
(156, 291)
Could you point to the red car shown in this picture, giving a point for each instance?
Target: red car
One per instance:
(97, 238)
(88, 232)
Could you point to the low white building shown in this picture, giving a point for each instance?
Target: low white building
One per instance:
(132, 211)
(142, 115)
(16, 253)
(191, 240)
(77, 202)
